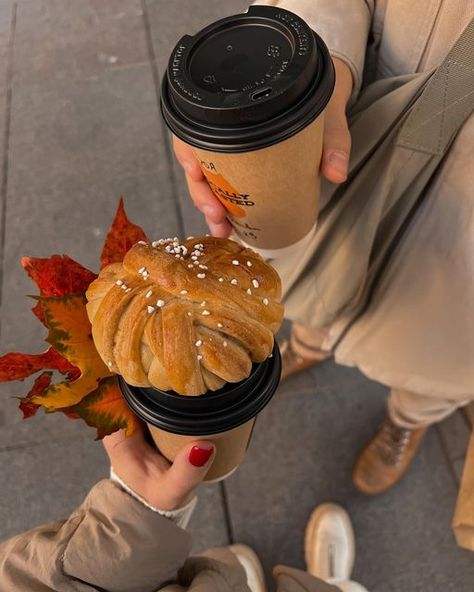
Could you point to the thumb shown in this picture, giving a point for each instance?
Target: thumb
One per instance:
(186, 473)
(336, 148)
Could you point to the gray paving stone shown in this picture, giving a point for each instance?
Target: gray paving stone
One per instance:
(89, 130)
(207, 525)
(169, 21)
(68, 39)
(6, 8)
(325, 376)
(46, 482)
(5, 34)
(306, 447)
(458, 468)
(454, 433)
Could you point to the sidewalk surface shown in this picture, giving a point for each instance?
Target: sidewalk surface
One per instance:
(80, 125)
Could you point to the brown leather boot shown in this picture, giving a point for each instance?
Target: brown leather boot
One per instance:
(291, 362)
(386, 458)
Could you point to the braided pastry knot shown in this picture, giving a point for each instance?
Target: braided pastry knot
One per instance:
(187, 316)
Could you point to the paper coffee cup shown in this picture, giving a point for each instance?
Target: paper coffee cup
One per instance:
(248, 93)
(226, 417)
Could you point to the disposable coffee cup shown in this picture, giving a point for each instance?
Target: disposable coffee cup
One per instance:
(248, 93)
(225, 417)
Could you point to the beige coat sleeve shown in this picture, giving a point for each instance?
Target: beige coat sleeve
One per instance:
(343, 24)
(111, 543)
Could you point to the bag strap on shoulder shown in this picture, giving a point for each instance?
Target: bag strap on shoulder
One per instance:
(445, 103)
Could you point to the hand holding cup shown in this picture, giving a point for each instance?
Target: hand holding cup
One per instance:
(164, 485)
(334, 163)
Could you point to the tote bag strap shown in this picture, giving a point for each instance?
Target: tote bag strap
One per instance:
(437, 115)
(445, 103)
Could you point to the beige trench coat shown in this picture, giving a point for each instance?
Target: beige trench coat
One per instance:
(113, 543)
(418, 332)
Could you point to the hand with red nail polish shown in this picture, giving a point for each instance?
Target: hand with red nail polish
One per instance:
(143, 469)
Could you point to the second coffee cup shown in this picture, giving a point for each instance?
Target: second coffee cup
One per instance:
(248, 93)
(226, 417)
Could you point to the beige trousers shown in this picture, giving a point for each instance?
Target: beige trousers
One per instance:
(406, 409)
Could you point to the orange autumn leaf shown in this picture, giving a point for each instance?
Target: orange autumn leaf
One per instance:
(70, 335)
(106, 410)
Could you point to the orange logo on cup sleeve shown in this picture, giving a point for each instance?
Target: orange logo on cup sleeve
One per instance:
(229, 197)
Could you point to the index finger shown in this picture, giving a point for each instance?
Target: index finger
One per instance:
(187, 159)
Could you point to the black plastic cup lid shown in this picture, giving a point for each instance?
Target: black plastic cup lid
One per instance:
(212, 413)
(247, 81)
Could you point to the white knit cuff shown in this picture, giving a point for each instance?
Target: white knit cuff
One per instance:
(180, 517)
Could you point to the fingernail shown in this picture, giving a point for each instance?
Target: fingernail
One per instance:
(339, 161)
(198, 457)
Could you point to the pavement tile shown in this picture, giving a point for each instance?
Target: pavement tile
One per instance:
(66, 39)
(6, 8)
(454, 433)
(306, 446)
(324, 376)
(5, 35)
(46, 482)
(169, 21)
(97, 129)
(458, 468)
(207, 525)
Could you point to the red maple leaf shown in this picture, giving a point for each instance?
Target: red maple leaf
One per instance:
(17, 366)
(57, 276)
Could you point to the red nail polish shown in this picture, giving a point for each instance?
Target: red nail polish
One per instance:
(198, 457)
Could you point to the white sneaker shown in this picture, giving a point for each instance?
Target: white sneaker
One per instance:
(253, 568)
(330, 544)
